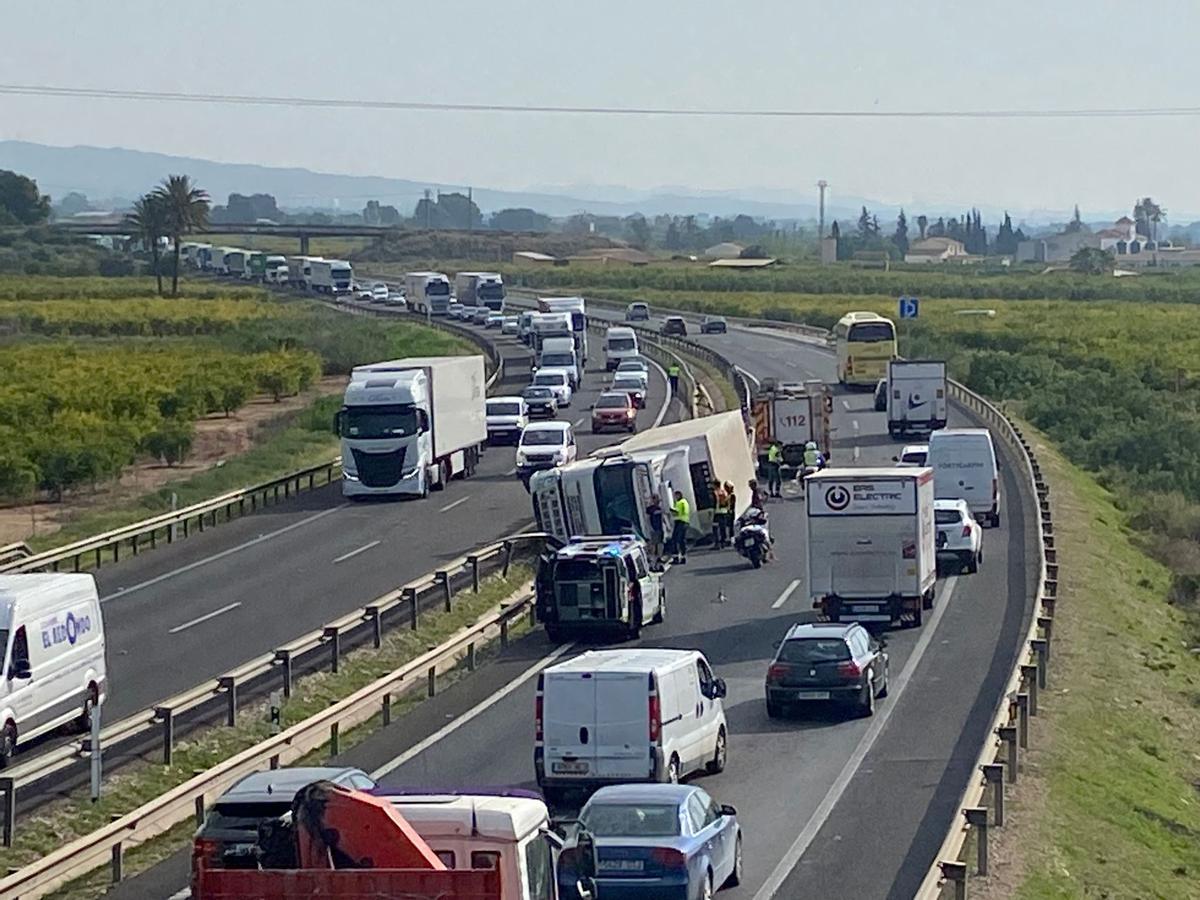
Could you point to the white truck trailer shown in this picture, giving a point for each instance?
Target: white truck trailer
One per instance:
(480, 289)
(427, 293)
(410, 425)
(871, 544)
(331, 276)
(718, 447)
(916, 396)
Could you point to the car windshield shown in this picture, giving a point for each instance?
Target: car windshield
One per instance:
(612, 401)
(947, 516)
(631, 819)
(814, 650)
(377, 422)
(437, 289)
(674, 320)
(558, 359)
(622, 344)
(550, 378)
(243, 816)
(544, 438)
(503, 408)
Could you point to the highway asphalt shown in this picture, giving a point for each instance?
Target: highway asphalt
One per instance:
(831, 807)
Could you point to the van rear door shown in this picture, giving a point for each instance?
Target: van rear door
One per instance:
(622, 737)
(569, 713)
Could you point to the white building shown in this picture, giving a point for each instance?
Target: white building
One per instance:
(935, 250)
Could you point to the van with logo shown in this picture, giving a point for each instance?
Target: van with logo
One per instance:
(636, 715)
(55, 674)
(964, 468)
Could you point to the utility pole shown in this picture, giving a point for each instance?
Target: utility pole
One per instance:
(427, 209)
(821, 185)
(470, 211)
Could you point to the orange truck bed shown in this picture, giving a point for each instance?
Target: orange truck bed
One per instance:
(350, 884)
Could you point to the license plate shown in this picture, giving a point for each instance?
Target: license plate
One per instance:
(872, 617)
(569, 768)
(812, 695)
(748, 542)
(619, 865)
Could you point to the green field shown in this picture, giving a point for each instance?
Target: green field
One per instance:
(100, 371)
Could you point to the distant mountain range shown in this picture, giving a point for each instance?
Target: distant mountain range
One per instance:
(115, 175)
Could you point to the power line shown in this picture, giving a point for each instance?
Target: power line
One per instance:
(43, 90)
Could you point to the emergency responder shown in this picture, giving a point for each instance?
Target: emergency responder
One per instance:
(774, 469)
(720, 527)
(673, 377)
(681, 515)
(812, 456)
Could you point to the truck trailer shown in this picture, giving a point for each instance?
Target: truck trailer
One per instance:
(480, 289)
(427, 293)
(410, 425)
(330, 276)
(871, 544)
(916, 396)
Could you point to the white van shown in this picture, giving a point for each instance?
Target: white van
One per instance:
(636, 715)
(559, 353)
(619, 343)
(52, 633)
(964, 468)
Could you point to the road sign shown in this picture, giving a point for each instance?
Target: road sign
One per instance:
(909, 307)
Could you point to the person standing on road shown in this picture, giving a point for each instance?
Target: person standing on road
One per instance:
(654, 512)
(673, 377)
(774, 469)
(681, 517)
(720, 530)
(730, 510)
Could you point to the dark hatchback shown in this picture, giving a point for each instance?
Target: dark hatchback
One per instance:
(825, 662)
(229, 834)
(541, 402)
(674, 325)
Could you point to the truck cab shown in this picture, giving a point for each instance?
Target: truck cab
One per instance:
(792, 413)
(599, 583)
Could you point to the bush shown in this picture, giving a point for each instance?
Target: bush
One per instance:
(170, 442)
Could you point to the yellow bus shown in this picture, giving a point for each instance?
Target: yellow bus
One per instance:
(865, 343)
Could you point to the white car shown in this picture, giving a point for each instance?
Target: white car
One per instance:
(506, 419)
(545, 445)
(958, 534)
(397, 300)
(912, 455)
(379, 292)
(559, 381)
(493, 320)
(511, 325)
(454, 311)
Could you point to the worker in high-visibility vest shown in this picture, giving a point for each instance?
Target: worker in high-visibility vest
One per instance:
(774, 469)
(721, 508)
(681, 516)
(673, 377)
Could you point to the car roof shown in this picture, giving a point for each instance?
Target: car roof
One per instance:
(644, 793)
(553, 370)
(625, 376)
(281, 784)
(674, 318)
(621, 394)
(599, 545)
(506, 398)
(947, 503)
(819, 630)
(914, 448)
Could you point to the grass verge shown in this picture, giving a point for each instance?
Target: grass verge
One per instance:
(70, 818)
(301, 440)
(1109, 804)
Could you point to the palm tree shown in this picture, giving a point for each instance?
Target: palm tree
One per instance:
(187, 210)
(148, 220)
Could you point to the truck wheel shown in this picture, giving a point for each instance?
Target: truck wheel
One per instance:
(927, 600)
(425, 484)
(444, 473)
(916, 617)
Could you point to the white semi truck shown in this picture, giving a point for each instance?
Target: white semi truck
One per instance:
(916, 396)
(871, 544)
(576, 308)
(410, 425)
(331, 276)
(480, 289)
(427, 293)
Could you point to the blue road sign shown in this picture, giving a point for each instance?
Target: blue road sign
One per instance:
(910, 307)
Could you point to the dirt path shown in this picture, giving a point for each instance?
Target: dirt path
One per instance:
(217, 439)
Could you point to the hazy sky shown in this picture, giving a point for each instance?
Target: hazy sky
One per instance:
(923, 54)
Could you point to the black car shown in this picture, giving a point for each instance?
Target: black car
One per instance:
(826, 662)
(881, 390)
(228, 836)
(541, 402)
(674, 325)
(714, 325)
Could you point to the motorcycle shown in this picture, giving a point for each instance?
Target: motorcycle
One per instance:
(806, 470)
(753, 539)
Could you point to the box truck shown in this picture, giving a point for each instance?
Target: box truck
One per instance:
(427, 293)
(480, 289)
(235, 261)
(916, 396)
(256, 267)
(871, 544)
(576, 309)
(410, 425)
(330, 276)
(718, 447)
(793, 414)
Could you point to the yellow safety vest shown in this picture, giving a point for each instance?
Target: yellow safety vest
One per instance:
(681, 510)
(810, 457)
(774, 454)
(673, 371)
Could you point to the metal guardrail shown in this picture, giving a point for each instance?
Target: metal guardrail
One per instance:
(156, 816)
(12, 552)
(176, 525)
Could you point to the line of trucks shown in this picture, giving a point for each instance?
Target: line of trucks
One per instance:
(312, 273)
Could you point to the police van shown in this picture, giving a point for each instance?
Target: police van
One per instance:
(599, 583)
(52, 635)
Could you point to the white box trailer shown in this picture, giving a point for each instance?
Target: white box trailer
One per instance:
(916, 396)
(871, 544)
(718, 447)
(410, 425)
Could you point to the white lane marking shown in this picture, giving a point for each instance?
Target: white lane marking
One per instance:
(458, 502)
(854, 424)
(857, 451)
(895, 690)
(579, 421)
(787, 592)
(205, 617)
(363, 549)
(662, 412)
(121, 592)
(470, 714)
(846, 405)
